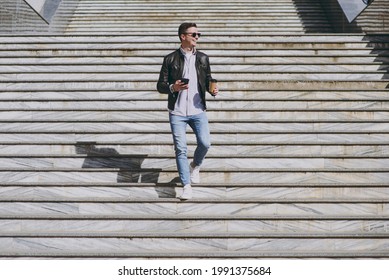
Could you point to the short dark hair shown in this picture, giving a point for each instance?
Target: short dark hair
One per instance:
(185, 26)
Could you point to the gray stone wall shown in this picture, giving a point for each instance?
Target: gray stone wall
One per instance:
(45, 8)
(29, 17)
(375, 19)
(17, 17)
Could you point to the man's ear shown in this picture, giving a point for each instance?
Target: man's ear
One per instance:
(182, 37)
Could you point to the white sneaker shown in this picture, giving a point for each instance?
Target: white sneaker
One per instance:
(194, 174)
(186, 193)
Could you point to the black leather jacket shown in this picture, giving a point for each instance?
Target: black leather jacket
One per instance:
(172, 70)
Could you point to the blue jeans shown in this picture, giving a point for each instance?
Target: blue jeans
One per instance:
(199, 125)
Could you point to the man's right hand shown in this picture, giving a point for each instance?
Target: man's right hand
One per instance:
(178, 86)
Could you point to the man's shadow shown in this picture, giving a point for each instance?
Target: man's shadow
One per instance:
(130, 167)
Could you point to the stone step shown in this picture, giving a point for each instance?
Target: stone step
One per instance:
(128, 95)
(216, 68)
(209, 254)
(218, 11)
(218, 176)
(124, 29)
(191, 247)
(276, 28)
(110, 22)
(226, 162)
(227, 77)
(260, 20)
(84, 20)
(217, 8)
(206, 43)
(205, 23)
(368, 55)
(122, 192)
(286, 149)
(195, 201)
(230, 126)
(344, 41)
(195, 208)
(216, 115)
(188, 218)
(202, 18)
(324, 40)
(167, 4)
(324, 62)
(199, 226)
(320, 115)
(119, 2)
(225, 138)
(196, 235)
(270, 82)
(213, 104)
(201, 6)
(280, 31)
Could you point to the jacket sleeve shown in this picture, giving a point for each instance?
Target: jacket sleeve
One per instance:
(208, 75)
(163, 81)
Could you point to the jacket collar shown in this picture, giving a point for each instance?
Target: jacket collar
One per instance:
(183, 52)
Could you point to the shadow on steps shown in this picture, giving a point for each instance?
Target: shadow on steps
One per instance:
(130, 167)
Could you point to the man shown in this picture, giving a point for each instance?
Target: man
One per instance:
(185, 76)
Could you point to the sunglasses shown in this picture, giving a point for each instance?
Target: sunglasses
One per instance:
(194, 34)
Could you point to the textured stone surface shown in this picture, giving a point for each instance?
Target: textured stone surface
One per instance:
(299, 155)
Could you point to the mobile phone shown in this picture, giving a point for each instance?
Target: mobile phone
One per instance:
(185, 81)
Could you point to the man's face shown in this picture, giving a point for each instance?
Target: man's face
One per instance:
(187, 40)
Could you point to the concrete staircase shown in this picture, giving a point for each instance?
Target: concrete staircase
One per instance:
(216, 16)
(298, 166)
